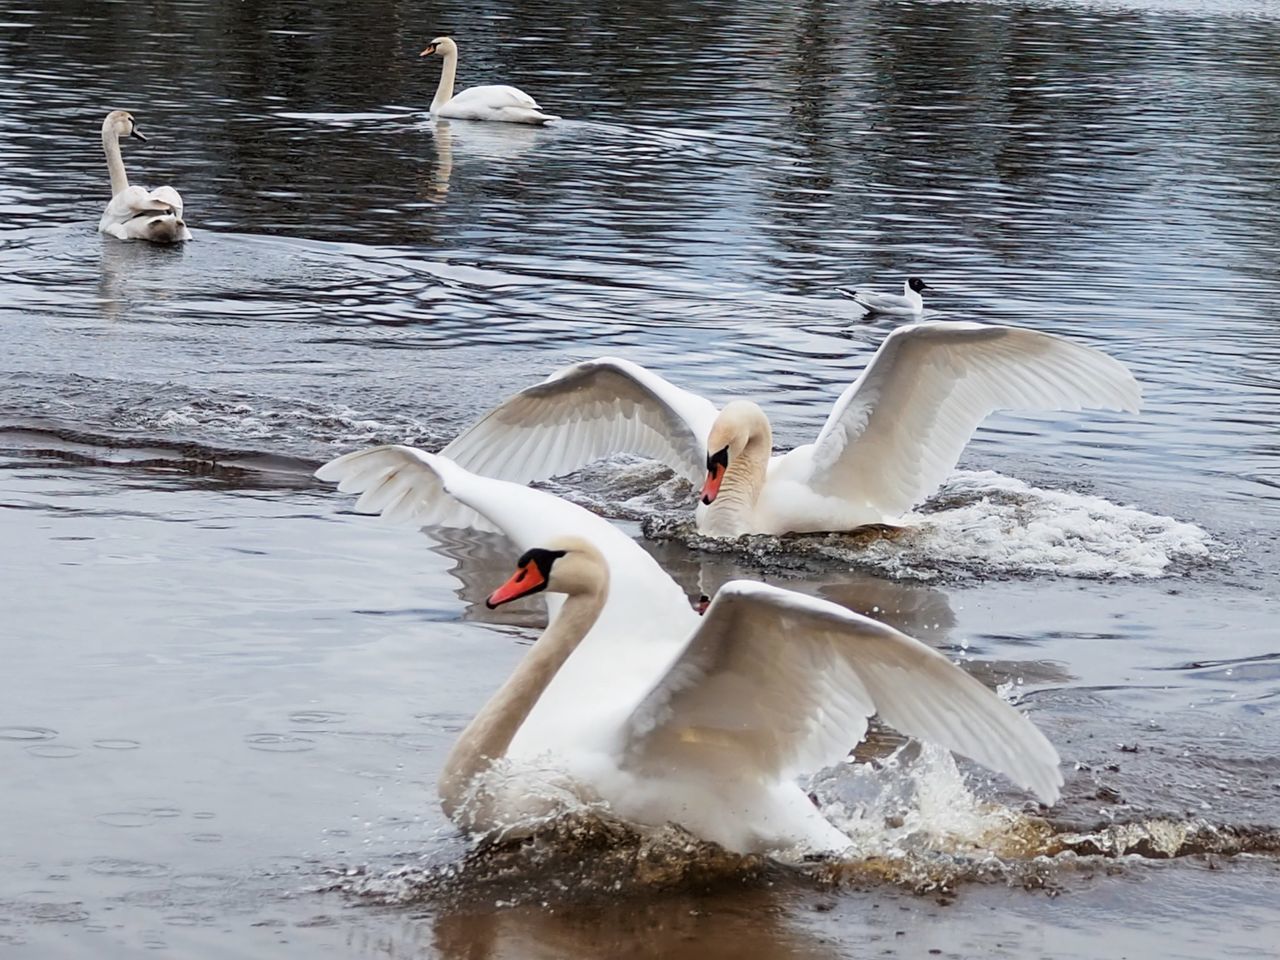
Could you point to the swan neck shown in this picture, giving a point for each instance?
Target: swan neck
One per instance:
(444, 92)
(731, 512)
(115, 163)
(489, 734)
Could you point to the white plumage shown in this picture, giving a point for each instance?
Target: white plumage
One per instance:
(892, 438)
(909, 304)
(489, 102)
(708, 721)
(134, 212)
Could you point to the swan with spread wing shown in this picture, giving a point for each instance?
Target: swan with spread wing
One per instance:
(892, 438)
(637, 702)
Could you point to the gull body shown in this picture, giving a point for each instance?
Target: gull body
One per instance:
(909, 304)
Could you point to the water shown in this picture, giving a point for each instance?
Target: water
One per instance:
(224, 699)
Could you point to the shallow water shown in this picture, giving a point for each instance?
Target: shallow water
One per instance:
(222, 694)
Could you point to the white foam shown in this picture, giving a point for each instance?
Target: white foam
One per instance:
(1003, 525)
(914, 802)
(287, 421)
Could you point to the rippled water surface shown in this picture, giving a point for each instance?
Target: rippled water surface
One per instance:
(223, 699)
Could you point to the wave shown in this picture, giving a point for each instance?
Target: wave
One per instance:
(984, 524)
(912, 819)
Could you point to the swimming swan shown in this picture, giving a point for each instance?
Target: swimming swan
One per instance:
(491, 102)
(892, 438)
(134, 213)
(910, 304)
(633, 699)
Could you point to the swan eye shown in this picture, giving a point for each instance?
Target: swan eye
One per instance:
(720, 459)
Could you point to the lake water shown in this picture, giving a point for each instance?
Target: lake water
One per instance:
(224, 698)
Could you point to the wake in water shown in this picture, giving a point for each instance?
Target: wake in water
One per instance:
(980, 524)
(911, 817)
(983, 524)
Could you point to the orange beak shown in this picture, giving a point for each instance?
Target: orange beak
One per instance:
(525, 580)
(715, 476)
(429, 51)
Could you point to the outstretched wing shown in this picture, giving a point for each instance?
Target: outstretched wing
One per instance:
(899, 429)
(411, 486)
(777, 684)
(583, 413)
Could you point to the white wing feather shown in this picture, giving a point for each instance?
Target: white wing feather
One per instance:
(583, 413)
(411, 486)
(170, 196)
(899, 429)
(778, 684)
(135, 201)
(493, 96)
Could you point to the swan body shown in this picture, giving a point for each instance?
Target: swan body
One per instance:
(892, 438)
(910, 304)
(134, 212)
(490, 102)
(636, 701)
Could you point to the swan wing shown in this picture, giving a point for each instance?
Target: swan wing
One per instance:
(136, 201)
(406, 485)
(586, 412)
(410, 486)
(493, 97)
(774, 684)
(169, 197)
(897, 431)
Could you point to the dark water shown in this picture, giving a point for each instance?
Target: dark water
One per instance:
(219, 693)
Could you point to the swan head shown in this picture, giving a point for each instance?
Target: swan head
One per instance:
(740, 423)
(916, 284)
(569, 565)
(120, 123)
(443, 46)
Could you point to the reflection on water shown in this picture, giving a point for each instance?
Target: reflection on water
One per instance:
(362, 274)
(677, 929)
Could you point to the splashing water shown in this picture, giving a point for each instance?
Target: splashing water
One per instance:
(984, 524)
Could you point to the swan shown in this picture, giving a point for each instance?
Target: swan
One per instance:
(910, 304)
(890, 441)
(634, 700)
(490, 102)
(135, 213)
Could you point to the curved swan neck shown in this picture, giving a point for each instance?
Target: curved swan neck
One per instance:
(731, 512)
(490, 732)
(444, 92)
(115, 163)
